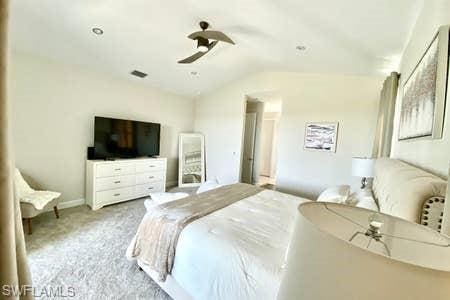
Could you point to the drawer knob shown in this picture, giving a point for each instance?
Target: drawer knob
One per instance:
(151, 177)
(117, 181)
(118, 169)
(152, 166)
(150, 188)
(118, 194)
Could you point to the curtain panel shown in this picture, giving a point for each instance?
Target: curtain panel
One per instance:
(385, 122)
(14, 276)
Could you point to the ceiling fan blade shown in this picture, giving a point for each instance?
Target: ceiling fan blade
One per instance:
(197, 55)
(192, 58)
(211, 35)
(211, 45)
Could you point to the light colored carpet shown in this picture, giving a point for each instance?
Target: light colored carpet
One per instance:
(85, 249)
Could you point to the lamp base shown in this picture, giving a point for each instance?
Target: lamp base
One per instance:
(364, 183)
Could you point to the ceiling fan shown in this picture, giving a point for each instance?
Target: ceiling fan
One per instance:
(204, 45)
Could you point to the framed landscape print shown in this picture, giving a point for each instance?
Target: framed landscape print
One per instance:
(424, 92)
(321, 136)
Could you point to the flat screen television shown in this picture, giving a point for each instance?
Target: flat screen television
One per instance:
(116, 138)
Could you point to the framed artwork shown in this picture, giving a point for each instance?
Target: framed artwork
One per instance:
(321, 136)
(424, 92)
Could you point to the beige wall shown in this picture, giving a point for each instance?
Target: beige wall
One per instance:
(433, 155)
(265, 160)
(270, 134)
(350, 100)
(53, 112)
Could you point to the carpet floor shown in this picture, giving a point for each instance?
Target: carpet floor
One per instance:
(85, 250)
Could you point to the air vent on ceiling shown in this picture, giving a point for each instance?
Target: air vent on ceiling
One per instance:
(139, 74)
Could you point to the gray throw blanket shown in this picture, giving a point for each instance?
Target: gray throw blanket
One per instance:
(157, 236)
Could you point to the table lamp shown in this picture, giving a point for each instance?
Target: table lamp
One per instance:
(363, 167)
(342, 252)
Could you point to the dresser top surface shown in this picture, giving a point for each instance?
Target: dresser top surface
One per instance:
(126, 160)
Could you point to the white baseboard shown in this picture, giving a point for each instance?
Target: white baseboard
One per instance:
(71, 203)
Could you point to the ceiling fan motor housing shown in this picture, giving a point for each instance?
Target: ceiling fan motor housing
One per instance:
(204, 25)
(202, 42)
(203, 39)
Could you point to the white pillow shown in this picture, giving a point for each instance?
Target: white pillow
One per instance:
(364, 199)
(149, 204)
(208, 185)
(367, 203)
(336, 194)
(160, 198)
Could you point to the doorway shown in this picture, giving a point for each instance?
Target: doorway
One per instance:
(260, 140)
(252, 138)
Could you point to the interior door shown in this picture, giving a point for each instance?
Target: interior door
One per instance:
(249, 148)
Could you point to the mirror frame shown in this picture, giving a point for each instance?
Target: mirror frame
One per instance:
(180, 159)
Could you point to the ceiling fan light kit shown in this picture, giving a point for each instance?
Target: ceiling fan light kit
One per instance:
(204, 45)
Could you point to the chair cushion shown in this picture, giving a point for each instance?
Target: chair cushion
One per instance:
(39, 199)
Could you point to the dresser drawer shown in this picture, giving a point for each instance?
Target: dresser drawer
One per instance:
(118, 169)
(150, 166)
(113, 196)
(149, 177)
(109, 182)
(146, 189)
(115, 182)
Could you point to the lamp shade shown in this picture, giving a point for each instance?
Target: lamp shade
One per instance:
(362, 167)
(323, 263)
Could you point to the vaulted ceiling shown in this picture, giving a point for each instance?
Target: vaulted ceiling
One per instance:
(357, 37)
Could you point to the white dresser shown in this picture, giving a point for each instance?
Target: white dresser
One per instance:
(109, 182)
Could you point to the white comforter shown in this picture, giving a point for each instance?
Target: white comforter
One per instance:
(237, 252)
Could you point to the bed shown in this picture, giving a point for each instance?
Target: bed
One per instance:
(404, 191)
(238, 251)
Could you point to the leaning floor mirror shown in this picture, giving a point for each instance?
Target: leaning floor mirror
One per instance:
(191, 166)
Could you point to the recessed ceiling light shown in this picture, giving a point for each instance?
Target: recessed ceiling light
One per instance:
(300, 48)
(194, 73)
(97, 30)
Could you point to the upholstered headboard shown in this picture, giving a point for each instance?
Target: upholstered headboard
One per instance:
(401, 189)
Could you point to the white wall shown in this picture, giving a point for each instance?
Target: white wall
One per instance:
(433, 155)
(351, 100)
(53, 113)
(270, 142)
(265, 160)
